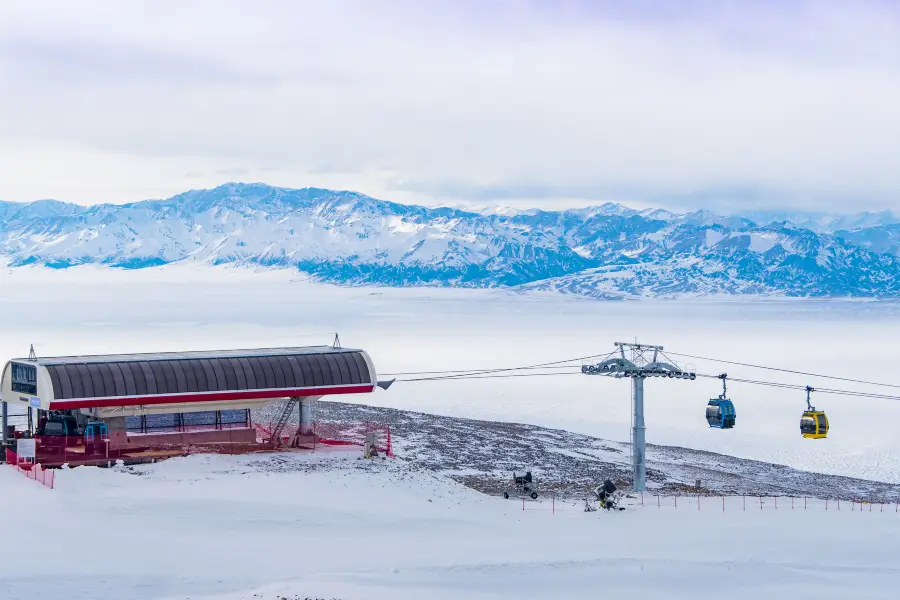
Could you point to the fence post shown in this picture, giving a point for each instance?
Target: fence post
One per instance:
(658, 505)
(390, 447)
(744, 500)
(839, 503)
(826, 503)
(642, 498)
(698, 501)
(723, 503)
(792, 503)
(760, 503)
(676, 500)
(523, 503)
(776, 502)
(804, 502)
(554, 502)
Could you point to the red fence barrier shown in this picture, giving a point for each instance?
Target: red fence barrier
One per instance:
(30, 470)
(354, 434)
(338, 434)
(769, 505)
(264, 433)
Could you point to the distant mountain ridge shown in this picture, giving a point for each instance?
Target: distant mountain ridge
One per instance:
(606, 251)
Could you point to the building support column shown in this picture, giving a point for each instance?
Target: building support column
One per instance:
(118, 435)
(5, 423)
(306, 423)
(638, 445)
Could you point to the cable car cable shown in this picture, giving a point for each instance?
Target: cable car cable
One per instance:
(469, 371)
(740, 364)
(480, 371)
(794, 386)
(507, 372)
(786, 386)
(775, 384)
(484, 376)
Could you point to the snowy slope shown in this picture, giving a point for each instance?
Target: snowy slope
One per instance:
(332, 526)
(482, 454)
(348, 238)
(338, 236)
(822, 222)
(883, 239)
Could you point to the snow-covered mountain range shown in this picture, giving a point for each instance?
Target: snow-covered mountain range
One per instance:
(606, 251)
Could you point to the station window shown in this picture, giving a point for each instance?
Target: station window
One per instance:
(24, 379)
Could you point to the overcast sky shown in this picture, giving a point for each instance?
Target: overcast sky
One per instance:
(721, 105)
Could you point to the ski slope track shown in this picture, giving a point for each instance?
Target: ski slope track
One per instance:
(608, 251)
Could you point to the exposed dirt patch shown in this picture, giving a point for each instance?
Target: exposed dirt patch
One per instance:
(484, 454)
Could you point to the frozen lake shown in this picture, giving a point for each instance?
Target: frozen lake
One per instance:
(92, 310)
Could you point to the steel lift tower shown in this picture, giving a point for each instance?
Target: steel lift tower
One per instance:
(643, 362)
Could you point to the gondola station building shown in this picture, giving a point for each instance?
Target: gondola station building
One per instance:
(119, 405)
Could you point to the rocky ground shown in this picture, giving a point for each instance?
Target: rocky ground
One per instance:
(484, 454)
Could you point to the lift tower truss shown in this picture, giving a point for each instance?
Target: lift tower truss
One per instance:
(638, 361)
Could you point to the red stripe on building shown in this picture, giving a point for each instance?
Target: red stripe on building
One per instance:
(207, 397)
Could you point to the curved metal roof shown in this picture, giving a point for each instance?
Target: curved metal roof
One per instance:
(101, 358)
(122, 380)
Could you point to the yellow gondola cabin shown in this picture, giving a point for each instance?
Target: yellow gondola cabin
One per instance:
(813, 423)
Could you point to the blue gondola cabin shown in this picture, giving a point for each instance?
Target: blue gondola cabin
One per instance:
(720, 413)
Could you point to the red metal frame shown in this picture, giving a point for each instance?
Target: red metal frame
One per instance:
(208, 397)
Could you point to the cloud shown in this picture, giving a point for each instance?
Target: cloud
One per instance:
(504, 192)
(81, 62)
(233, 172)
(482, 101)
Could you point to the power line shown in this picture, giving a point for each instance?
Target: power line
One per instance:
(740, 364)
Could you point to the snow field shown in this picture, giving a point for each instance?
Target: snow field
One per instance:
(328, 525)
